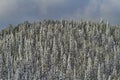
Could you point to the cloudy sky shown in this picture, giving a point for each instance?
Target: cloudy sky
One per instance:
(17, 11)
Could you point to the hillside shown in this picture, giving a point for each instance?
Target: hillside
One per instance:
(60, 50)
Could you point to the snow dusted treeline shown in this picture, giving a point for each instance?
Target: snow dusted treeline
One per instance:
(60, 50)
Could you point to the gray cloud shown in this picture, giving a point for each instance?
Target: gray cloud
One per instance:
(90, 11)
(16, 11)
(7, 7)
(110, 10)
(45, 4)
(96, 9)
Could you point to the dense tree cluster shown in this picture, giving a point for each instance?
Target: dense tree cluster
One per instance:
(60, 50)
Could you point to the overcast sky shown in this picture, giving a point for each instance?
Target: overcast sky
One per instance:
(17, 11)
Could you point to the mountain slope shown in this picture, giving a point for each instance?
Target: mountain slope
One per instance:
(60, 50)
